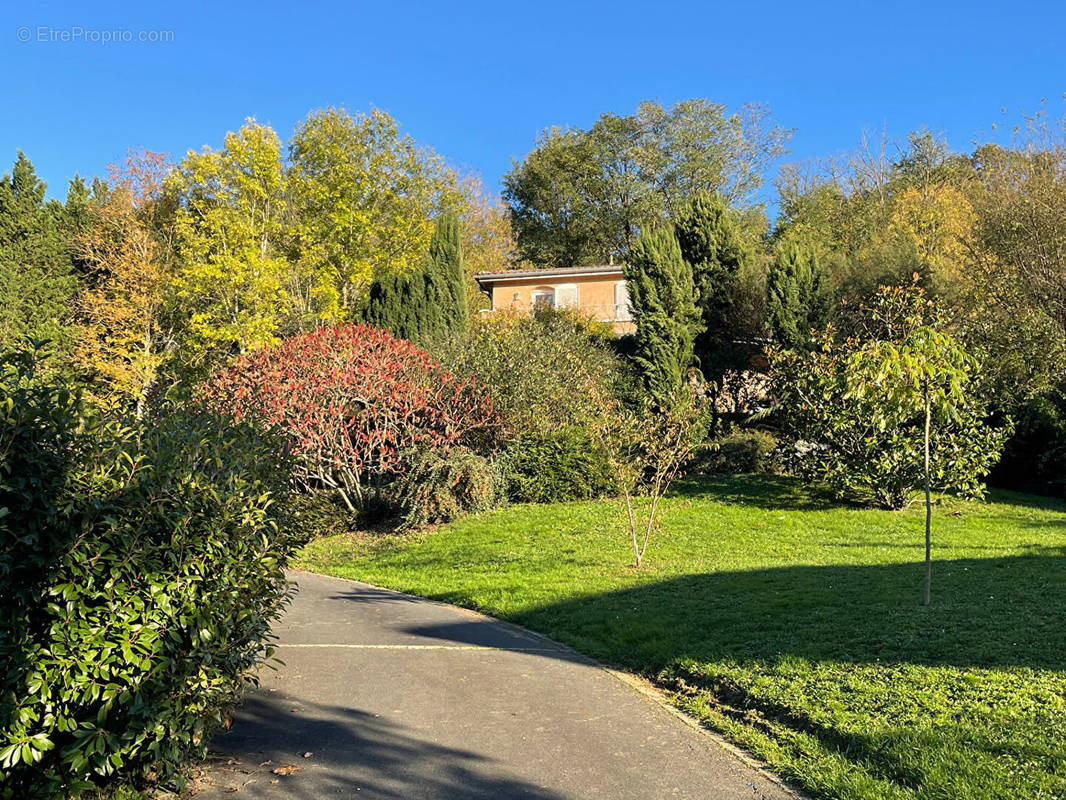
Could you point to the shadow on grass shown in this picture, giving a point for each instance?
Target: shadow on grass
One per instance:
(766, 492)
(995, 612)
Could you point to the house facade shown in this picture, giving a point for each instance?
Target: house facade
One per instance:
(599, 292)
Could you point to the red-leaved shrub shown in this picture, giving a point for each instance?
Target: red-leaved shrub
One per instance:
(354, 403)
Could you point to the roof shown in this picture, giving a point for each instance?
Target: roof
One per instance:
(564, 272)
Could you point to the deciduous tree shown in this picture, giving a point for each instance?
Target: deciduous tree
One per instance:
(230, 236)
(124, 333)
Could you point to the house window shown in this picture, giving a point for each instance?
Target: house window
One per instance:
(543, 297)
(566, 295)
(622, 310)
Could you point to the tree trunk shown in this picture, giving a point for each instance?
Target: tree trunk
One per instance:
(928, 503)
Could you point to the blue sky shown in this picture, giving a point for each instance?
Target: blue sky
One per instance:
(477, 81)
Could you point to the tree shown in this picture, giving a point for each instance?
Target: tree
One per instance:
(430, 304)
(364, 199)
(124, 333)
(796, 296)
(712, 244)
(928, 376)
(585, 196)
(446, 274)
(647, 446)
(937, 221)
(487, 239)
(37, 281)
(229, 234)
(548, 195)
(868, 443)
(662, 296)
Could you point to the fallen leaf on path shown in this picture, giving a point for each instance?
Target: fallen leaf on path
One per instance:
(288, 769)
(308, 755)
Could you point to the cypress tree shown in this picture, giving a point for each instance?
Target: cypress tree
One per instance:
(796, 296)
(446, 256)
(427, 305)
(662, 297)
(712, 244)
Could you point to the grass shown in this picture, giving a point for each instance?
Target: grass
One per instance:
(792, 625)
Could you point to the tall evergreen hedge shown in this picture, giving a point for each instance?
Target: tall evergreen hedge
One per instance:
(427, 305)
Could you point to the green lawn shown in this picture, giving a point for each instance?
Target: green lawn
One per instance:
(792, 624)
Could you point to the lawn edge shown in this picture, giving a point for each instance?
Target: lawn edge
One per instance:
(638, 683)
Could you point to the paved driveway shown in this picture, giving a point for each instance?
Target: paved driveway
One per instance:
(402, 698)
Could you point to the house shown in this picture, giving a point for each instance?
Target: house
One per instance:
(600, 292)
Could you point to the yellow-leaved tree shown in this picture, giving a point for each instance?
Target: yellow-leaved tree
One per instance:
(230, 234)
(364, 199)
(938, 221)
(124, 335)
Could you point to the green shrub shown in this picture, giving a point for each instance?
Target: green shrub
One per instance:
(744, 452)
(140, 568)
(555, 466)
(318, 513)
(441, 486)
(538, 368)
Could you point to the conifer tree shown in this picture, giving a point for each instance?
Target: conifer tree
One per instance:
(427, 305)
(37, 284)
(711, 242)
(796, 296)
(446, 257)
(663, 297)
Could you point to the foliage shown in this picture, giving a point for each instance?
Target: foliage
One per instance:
(537, 367)
(353, 402)
(318, 513)
(364, 198)
(937, 221)
(646, 448)
(744, 452)
(553, 466)
(661, 295)
(859, 431)
(124, 330)
(487, 239)
(37, 263)
(787, 624)
(141, 566)
(229, 232)
(712, 244)
(1034, 458)
(442, 486)
(796, 296)
(428, 305)
(585, 197)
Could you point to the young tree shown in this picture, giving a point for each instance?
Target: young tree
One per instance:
(926, 376)
(796, 296)
(662, 297)
(870, 444)
(647, 447)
